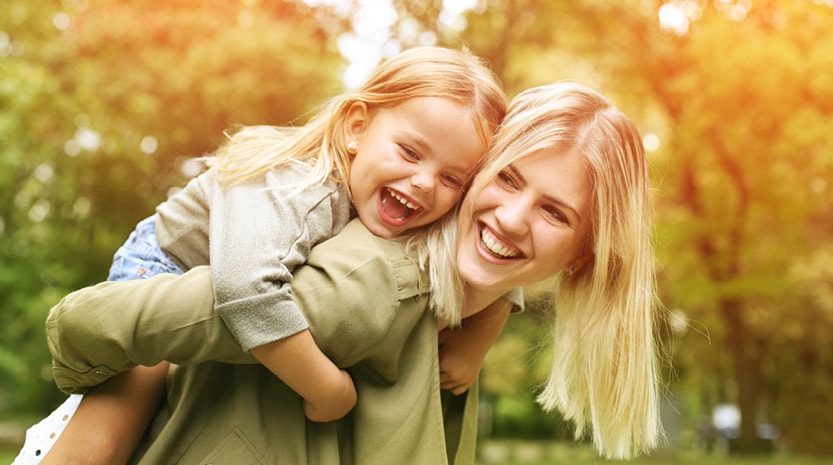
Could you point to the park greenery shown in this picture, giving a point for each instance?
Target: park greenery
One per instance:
(104, 104)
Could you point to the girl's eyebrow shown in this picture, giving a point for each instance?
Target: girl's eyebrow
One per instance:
(563, 204)
(417, 139)
(424, 145)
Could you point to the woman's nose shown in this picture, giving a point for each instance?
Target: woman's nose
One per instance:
(513, 217)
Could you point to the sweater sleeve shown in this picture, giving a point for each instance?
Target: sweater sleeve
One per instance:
(259, 233)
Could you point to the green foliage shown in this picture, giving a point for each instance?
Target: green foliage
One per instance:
(519, 416)
(100, 106)
(512, 367)
(740, 98)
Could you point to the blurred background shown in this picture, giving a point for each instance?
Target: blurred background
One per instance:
(104, 102)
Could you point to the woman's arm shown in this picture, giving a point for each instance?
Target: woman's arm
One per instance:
(462, 350)
(363, 297)
(100, 331)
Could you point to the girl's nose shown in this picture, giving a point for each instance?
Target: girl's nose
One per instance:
(423, 182)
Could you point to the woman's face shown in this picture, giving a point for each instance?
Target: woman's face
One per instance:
(527, 224)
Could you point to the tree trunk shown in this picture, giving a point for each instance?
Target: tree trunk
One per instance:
(747, 370)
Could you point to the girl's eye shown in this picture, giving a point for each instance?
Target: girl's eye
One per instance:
(451, 181)
(408, 154)
(555, 215)
(506, 180)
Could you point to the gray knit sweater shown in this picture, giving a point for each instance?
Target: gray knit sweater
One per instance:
(253, 235)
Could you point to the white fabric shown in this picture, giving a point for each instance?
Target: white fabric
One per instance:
(41, 437)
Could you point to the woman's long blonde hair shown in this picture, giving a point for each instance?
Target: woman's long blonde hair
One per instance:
(604, 375)
(320, 143)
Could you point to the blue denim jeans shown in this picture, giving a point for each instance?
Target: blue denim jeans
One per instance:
(141, 257)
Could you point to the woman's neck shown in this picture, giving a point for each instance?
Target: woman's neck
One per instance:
(475, 300)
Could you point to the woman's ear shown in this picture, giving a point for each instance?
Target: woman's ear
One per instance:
(355, 122)
(578, 263)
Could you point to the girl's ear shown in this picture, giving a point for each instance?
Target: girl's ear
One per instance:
(356, 122)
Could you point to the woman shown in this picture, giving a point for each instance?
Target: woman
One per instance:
(564, 192)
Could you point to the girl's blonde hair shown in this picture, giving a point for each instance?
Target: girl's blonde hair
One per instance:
(441, 72)
(604, 375)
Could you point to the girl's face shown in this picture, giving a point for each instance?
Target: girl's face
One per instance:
(412, 162)
(527, 224)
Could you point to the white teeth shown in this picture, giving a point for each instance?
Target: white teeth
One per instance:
(491, 243)
(402, 200)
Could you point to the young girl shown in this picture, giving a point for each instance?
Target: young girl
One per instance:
(397, 153)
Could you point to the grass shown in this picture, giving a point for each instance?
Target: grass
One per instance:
(547, 453)
(536, 453)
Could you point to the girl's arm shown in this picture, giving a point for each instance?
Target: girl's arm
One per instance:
(328, 392)
(258, 240)
(463, 350)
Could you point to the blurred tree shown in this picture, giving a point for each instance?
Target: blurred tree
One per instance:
(102, 105)
(32, 121)
(740, 95)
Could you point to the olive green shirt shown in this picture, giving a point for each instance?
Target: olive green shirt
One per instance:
(365, 301)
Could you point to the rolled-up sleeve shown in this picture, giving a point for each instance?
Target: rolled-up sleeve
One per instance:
(260, 233)
(99, 331)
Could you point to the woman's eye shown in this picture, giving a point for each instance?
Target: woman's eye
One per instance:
(408, 153)
(556, 215)
(452, 181)
(505, 180)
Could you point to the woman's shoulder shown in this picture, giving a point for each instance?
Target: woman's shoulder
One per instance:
(356, 251)
(357, 244)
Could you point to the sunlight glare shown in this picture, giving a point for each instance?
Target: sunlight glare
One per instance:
(43, 173)
(370, 40)
(88, 139)
(5, 44)
(651, 142)
(40, 210)
(148, 145)
(61, 21)
(82, 207)
(673, 18)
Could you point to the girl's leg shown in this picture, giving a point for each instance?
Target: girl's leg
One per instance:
(110, 421)
(42, 436)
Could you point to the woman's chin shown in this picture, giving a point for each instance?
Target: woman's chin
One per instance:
(479, 278)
